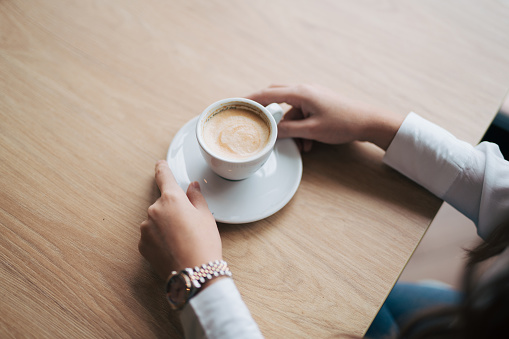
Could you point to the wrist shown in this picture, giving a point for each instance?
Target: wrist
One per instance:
(382, 128)
(182, 286)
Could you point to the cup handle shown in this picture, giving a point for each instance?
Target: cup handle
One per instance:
(276, 110)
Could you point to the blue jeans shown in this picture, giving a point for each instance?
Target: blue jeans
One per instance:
(404, 301)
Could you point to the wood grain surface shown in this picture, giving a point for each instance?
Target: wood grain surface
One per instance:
(92, 93)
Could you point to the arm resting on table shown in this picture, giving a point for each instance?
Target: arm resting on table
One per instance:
(474, 180)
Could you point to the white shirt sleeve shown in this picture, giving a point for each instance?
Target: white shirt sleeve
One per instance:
(474, 180)
(219, 312)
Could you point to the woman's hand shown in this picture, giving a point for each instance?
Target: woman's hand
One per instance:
(180, 231)
(320, 114)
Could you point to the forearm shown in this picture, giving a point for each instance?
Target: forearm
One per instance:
(474, 180)
(380, 128)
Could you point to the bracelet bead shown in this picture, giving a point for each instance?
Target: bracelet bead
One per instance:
(200, 275)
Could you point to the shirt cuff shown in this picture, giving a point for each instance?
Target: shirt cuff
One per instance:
(218, 312)
(421, 150)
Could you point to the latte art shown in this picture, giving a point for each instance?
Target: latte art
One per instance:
(236, 133)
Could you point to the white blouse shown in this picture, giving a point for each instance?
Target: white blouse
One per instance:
(475, 180)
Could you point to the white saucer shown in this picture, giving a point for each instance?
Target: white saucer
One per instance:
(236, 202)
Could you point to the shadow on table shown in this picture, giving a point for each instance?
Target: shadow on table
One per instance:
(148, 290)
(358, 167)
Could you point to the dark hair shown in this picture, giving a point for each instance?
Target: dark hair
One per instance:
(484, 309)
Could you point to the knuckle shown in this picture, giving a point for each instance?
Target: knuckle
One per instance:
(142, 247)
(313, 126)
(169, 197)
(304, 89)
(152, 212)
(146, 238)
(144, 226)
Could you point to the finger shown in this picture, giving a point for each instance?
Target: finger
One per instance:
(293, 114)
(307, 145)
(277, 94)
(164, 177)
(145, 229)
(195, 196)
(295, 129)
(145, 226)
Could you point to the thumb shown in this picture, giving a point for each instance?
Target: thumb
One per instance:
(195, 197)
(295, 129)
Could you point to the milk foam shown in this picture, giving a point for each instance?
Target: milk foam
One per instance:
(236, 133)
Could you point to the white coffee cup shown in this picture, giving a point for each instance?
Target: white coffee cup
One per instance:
(232, 166)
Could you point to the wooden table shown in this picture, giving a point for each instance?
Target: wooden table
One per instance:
(92, 93)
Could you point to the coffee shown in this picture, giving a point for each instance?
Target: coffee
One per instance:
(236, 133)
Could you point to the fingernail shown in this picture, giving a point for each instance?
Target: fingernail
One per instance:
(196, 185)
